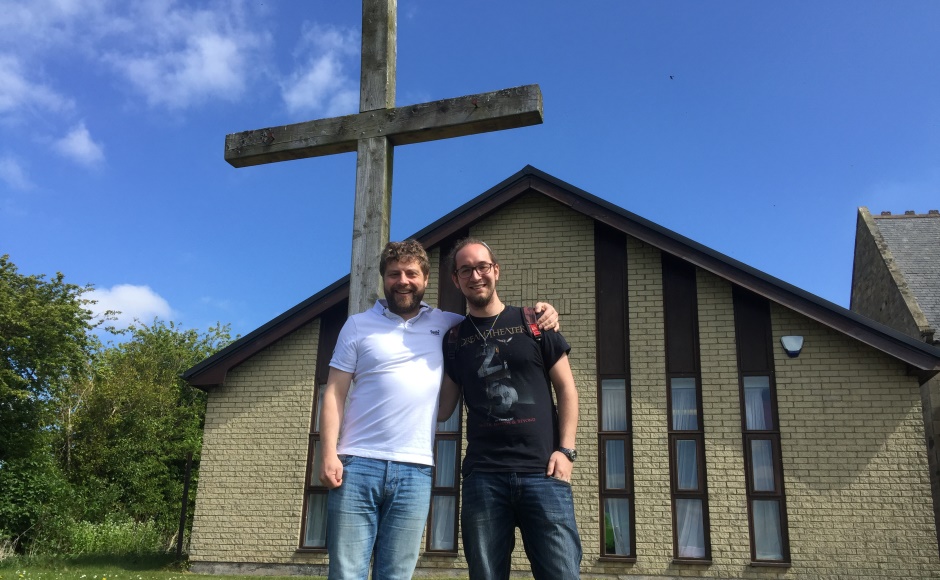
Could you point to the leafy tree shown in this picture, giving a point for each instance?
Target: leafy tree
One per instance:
(45, 349)
(139, 421)
(90, 435)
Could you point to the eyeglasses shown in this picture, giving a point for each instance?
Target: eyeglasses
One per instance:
(482, 268)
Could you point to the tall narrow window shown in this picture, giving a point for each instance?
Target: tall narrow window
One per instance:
(442, 520)
(615, 440)
(313, 527)
(445, 488)
(684, 398)
(766, 500)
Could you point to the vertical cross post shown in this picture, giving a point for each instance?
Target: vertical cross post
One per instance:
(374, 132)
(373, 205)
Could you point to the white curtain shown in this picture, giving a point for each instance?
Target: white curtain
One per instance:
(443, 512)
(316, 420)
(684, 407)
(767, 541)
(616, 470)
(446, 463)
(691, 532)
(316, 521)
(757, 403)
(614, 402)
(452, 423)
(687, 465)
(618, 511)
(762, 464)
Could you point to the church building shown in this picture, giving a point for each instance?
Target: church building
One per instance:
(896, 281)
(731, 425)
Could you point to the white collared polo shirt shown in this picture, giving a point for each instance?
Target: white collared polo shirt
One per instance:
(397, 364)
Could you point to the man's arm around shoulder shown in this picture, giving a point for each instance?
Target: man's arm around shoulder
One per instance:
(331, 417)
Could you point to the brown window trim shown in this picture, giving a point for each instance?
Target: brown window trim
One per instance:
(450, 299)
(680, 314)
(613, 363)
(331, 322)
(446, 491)
(754, 341)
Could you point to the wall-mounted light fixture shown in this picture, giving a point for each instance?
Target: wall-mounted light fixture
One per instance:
(792, 345)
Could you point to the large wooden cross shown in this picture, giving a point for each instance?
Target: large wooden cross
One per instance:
(372, 134)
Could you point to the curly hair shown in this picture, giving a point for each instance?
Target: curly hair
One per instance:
(405, 252)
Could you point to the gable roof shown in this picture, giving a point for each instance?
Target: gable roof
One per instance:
(923, 359)
(914, 242)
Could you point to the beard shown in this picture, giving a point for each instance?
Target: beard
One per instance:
(403, 303)
(481, 300)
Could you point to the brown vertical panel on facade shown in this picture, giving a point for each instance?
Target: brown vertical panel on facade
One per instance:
(450, 298)
(680, 311)
(752, 329)
(331, 322)
(616, 508)
(610, 255)
(763, 458)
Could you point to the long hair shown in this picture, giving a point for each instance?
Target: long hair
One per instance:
(463, 243)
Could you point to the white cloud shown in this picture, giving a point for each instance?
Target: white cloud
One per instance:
(320, 83)
(207, 67)
(133, 302)
(175, 54)
(178, 57)
(35, 26)
(19, 94)
(79, 147)
(13, 174)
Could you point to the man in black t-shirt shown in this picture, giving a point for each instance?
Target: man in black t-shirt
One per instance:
(520, 452)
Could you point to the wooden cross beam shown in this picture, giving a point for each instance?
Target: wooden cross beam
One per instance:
(373, 133)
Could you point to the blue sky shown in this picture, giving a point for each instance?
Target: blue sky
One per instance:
(755, 128)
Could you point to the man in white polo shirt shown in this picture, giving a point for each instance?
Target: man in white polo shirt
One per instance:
(377, 437)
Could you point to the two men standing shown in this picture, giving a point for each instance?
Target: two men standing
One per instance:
(377, 436)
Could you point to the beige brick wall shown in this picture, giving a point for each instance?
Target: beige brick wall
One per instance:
(251, 479)
(856, 473)
(852, 443)
(880, 293)
(648, 399)
(721, 418)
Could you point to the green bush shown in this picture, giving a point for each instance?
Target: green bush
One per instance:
(115, 537)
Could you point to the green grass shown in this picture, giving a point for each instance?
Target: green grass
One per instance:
(145, 567)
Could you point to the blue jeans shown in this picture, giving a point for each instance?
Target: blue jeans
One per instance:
(543, 509)
(377, 513)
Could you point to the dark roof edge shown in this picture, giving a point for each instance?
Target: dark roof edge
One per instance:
(926, 358)
(211, 371)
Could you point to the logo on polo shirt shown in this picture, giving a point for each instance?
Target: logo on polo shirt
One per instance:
(436, 332)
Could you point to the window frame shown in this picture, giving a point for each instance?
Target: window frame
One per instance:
(331, 322)
(754, 345)
(450, 299)
(613, 363)
(680, 326)
(446, 491)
